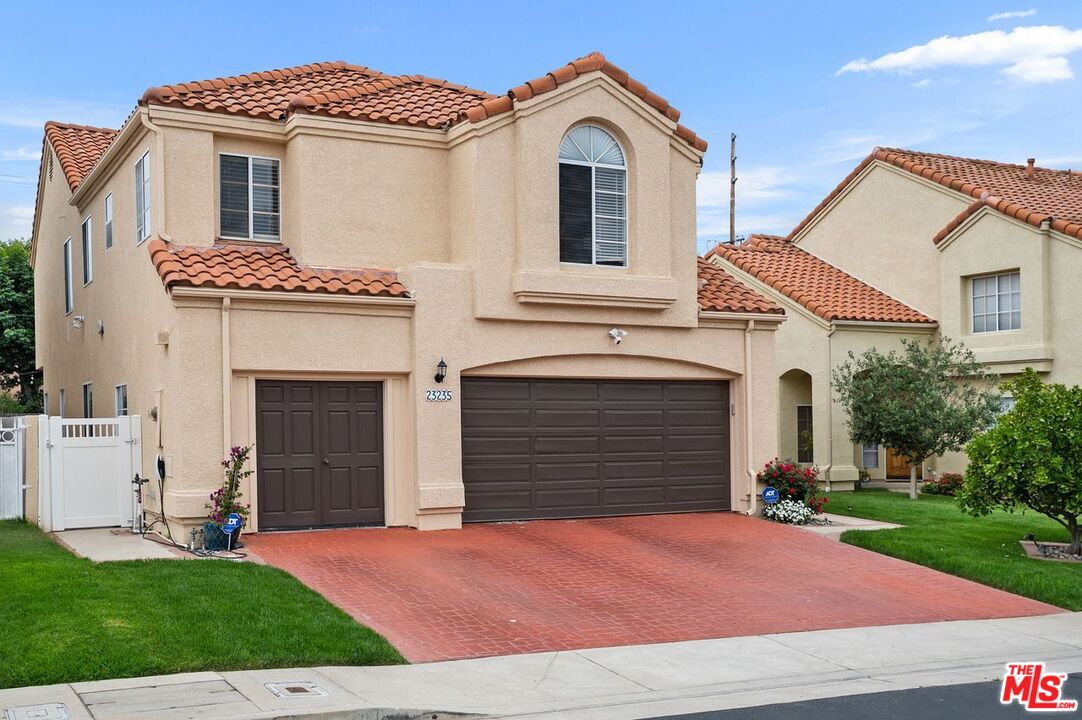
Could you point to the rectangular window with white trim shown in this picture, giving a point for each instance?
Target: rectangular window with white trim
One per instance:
(88, 400)
(805, 434)
(69, 292)
(143, 203)
(108, 221)
(869, 456)
(249, 198)
(88, 253)
(121, 400)
(62, 407)
(997, 302)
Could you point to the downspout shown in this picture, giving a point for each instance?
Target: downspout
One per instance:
(749, 449)
(157, 167)
(825, 471)
(227, 378)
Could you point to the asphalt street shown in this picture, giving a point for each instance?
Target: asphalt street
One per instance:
(975, 701)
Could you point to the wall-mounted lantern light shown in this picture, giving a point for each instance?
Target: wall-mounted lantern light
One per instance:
(441, 371)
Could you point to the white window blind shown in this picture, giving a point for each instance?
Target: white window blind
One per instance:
(870, 456)
(593, 198)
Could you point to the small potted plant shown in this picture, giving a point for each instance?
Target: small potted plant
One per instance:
(226, 500)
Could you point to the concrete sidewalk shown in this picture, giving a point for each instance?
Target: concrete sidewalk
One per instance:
(622, 682)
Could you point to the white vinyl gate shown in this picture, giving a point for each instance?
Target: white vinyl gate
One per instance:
(85, 471)
(12, 466)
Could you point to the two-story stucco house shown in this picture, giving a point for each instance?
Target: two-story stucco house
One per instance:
(911, 244)
(422, 303)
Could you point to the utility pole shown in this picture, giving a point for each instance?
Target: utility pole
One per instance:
(732, 189)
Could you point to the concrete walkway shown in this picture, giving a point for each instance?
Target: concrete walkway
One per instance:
(841, 523)
(109, 544)
(599, 684)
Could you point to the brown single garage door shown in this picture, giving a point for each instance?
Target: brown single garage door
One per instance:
(319, 454)
(577, 448)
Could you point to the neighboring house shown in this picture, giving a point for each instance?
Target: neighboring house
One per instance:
(421, 302)
(990, 252)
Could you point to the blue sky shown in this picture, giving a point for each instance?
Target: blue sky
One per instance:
(808, 87)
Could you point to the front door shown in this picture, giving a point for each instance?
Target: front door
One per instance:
(898, 466)
(319, 454)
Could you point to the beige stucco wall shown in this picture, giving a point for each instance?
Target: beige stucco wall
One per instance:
(469, 220)
(125, 295)
(880, 230)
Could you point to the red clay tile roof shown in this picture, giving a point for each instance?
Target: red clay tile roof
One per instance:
(590, 63)
(77, 147)
(263, 267)
(339, 89)
(401, 100)
(721, 292)
(827, 291)
(1054, 195)
(264, 94)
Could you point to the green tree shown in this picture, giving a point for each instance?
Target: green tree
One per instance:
(17, 365)
(1031, 457)
(930, 398)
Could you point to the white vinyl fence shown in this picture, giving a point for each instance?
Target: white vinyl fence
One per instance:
(12, 466)
(85, 471)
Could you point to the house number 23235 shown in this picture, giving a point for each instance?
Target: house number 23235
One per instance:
(438, 395)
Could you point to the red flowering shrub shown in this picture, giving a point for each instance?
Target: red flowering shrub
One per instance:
(945, 484)
(794, 483)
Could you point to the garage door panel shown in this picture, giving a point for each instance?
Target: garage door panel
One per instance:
(497, 472)
(496, 446)
(561, 391)
(545, 472)
(302, 483)
(617, 444)
(597, 448)
(271, 438)
(624, 496)
(697, 418)
(635, 469)
(634, 418)
(569, 418)
(618, 392)
(573, 498)
(483, 392)
(496, 418)
(567, 445)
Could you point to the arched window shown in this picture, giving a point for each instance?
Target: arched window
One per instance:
(593, 198)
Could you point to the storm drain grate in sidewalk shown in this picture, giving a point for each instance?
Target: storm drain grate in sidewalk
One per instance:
(48, 711)
(295, 689)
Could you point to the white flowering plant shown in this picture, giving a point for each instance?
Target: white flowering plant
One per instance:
(791, 512)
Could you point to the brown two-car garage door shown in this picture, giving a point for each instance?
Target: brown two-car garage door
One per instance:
(319, 454)
(576, 448)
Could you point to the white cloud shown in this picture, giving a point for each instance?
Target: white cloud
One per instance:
(23, 153)
(1012, 14)
(763, 197)
(1036, 53)
(1040, 70)
(921, 83)
(15, 221)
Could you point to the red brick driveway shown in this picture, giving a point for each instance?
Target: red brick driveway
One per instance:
(566, 584)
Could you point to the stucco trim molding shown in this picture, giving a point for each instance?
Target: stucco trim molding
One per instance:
(191, 297)
(873, 326)
(650, 293)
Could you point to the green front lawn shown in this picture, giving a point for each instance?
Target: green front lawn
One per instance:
(64, 619)
(939, 535)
